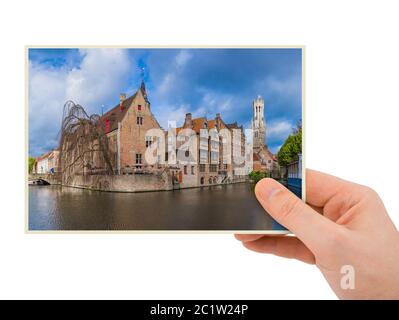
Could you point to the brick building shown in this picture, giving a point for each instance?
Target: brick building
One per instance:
(47, 163)
(211, 164)
(127, 128)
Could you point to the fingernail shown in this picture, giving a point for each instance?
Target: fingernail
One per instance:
(266, 192)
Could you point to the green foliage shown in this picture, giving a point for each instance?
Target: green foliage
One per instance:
(31, 162)
(256, 176)
(291, 147)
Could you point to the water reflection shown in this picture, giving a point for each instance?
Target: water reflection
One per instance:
(227, 207)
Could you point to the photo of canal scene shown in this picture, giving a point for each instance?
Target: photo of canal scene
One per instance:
(161, 139)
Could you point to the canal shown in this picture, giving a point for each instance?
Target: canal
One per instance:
(225, 207)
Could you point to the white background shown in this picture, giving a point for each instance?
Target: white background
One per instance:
(352, 89)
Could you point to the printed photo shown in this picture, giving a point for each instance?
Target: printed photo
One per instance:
(161, 139)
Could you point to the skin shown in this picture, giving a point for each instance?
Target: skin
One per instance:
(343, 223)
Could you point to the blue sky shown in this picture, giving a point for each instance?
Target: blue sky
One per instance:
(201, 81)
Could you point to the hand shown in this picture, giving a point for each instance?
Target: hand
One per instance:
(343, 224)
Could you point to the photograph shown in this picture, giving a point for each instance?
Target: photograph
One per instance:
(200, 160)
(161, 139)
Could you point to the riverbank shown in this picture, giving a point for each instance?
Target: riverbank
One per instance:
(135, 183)
(218, 207)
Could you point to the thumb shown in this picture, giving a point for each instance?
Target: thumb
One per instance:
(307, 224)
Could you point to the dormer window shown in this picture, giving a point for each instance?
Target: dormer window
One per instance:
(205, 125)
(139, 107)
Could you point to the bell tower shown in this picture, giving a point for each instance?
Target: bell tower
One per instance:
(258, 123)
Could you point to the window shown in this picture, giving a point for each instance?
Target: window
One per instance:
(107, 125)
(204, 141)
(186, 153)
(185, 169)
(148, 141)
(192, 170)
(203, 156)
(270, 161)
(139, 120)
(214, 157)
(202, 168)
(213, 168)
(138, 158)
(139, 107)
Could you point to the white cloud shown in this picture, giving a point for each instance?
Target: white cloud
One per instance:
(182, 58)
(277, 130)
(286, 87)
(169, 79)
(166, 84)
(102, 73)
(99, 78)
(167, 113)
(212, 103)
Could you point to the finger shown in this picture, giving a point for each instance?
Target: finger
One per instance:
(321, 187)
(317, 209)
(287, 247)
(309, 226)
(248, 237)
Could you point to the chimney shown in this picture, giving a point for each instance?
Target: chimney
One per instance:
(189, 120)
(122, 97)
(217, 120)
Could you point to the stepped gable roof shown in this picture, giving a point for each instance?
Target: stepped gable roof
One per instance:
(199, 123)
(233, 125)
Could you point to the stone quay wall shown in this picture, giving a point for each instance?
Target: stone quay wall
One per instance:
(122, 183)
(54, 178)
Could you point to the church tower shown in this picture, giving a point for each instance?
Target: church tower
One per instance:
(258, 123)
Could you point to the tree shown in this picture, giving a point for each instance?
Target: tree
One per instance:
(291, 147)
(256, 176)
(31, 163)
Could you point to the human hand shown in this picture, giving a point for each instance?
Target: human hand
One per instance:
(343, 224)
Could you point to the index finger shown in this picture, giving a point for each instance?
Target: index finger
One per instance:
(322, 187)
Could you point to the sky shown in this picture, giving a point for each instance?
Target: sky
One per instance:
(201, 81)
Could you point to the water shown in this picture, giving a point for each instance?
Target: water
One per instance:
(226, 207)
